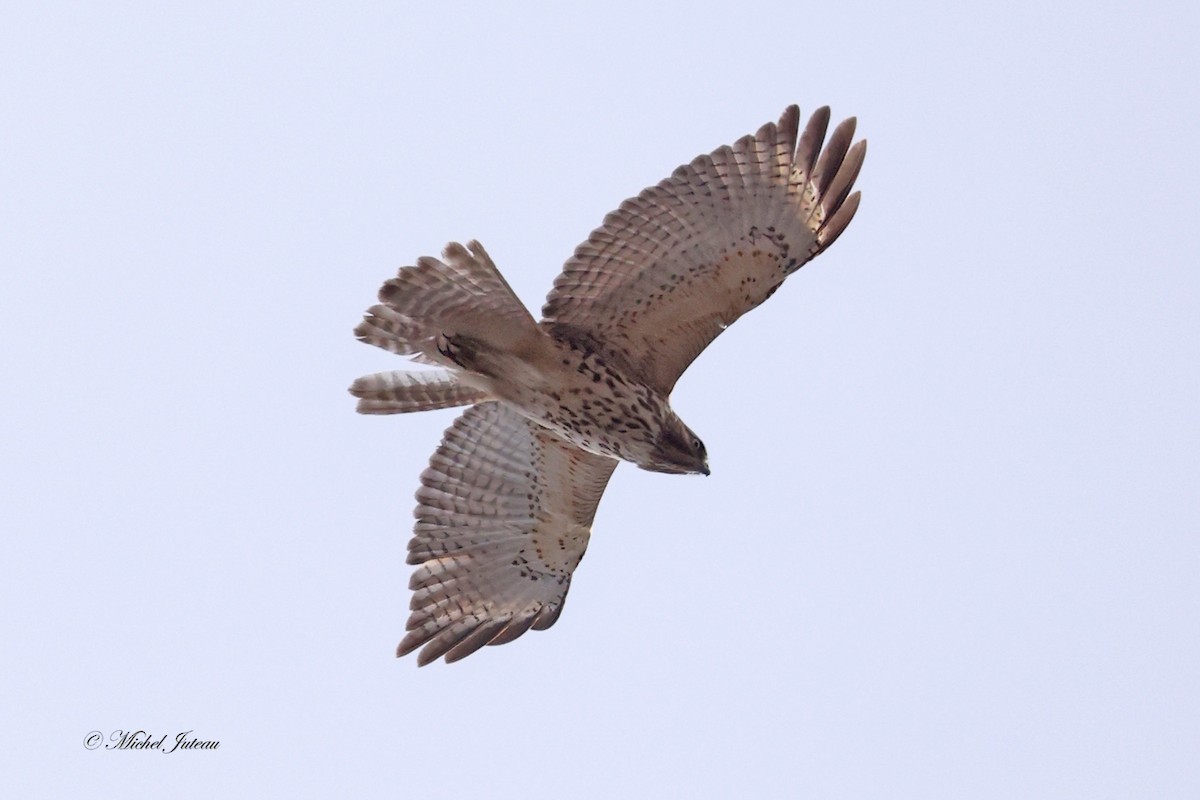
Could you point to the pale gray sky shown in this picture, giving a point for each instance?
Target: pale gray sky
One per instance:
(951, 541)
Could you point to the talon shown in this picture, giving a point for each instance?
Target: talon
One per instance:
(447, 349)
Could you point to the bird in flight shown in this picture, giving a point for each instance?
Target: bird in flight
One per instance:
(505, 508)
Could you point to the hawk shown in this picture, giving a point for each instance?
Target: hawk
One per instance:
(505, 508)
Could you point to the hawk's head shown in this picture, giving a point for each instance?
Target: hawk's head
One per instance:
(677, 450)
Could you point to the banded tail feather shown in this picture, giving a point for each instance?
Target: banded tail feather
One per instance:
(404, 392)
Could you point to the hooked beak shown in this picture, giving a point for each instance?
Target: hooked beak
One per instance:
(704, 469)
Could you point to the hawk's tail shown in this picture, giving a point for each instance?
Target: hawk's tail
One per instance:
(463, 296)
(401, 392)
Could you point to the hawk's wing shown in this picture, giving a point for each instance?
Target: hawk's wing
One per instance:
(673, 267)
(504, 513)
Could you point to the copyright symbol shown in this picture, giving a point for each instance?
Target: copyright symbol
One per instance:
(93, 740)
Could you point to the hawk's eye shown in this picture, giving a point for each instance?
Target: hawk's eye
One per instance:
(696, 445)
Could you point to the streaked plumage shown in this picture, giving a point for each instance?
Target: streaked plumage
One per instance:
(506, 506)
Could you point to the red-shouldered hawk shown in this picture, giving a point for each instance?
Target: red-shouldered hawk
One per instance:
(506, 506)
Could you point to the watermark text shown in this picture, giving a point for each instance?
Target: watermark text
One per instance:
(144, 740)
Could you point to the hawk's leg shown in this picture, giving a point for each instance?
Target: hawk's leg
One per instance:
(462, 350)
(446, 347)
